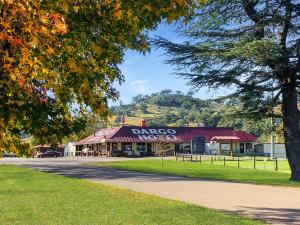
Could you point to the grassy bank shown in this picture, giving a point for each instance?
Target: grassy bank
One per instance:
(206, 171)
(32, 197)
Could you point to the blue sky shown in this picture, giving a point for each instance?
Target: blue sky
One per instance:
(145, 74)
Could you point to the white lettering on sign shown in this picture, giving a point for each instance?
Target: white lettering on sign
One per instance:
(153, 134)
(171, 131)
(155, 137)
(136, 131)
(162, 131)
(153, 131)
(170, 137)
(144, 131)
(142, 137)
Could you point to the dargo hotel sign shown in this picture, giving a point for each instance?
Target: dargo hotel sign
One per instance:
(154, 134)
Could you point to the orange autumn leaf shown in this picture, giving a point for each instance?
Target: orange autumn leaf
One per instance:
(7, 67)
(56, 16)
(21, 81)
(16, 42)
(50, 51)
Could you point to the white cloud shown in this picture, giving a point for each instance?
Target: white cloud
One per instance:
(141, 86)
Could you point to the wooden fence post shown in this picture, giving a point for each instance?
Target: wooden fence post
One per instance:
(238, 162)
(191, 158)
(276, 164)
(200, 159)
(254, 162)
(224, 161)
(211, 160)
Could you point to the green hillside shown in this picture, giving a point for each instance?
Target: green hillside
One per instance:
(152, 116)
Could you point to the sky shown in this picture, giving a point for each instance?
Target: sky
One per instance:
(146, 74)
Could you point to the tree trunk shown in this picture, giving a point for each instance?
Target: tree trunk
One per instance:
(290, 115)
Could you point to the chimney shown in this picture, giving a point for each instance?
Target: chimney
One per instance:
(143, 123)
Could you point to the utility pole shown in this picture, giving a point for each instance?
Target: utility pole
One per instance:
(272, 132)
(272, 139)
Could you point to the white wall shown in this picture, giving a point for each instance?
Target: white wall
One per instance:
(279, 150)
(70, 149)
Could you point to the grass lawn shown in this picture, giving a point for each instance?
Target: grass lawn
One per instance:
(32, 197)
(206, 171)
(262, 163)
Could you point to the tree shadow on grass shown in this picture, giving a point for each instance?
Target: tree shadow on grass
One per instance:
(271, 215)
(106, 173)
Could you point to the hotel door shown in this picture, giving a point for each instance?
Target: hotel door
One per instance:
(176, 148)
(149, 148)
(242, 147)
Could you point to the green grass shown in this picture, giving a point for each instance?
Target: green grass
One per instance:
(206, 171)
(29, 197)
(262, 163)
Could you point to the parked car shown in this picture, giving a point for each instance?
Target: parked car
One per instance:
(118, 153)
(49, 154)
(7, 154)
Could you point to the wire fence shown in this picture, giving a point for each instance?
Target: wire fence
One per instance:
(247, 162)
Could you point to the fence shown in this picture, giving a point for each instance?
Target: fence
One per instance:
(251, 162)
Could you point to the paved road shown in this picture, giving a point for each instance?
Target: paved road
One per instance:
(62, 160)
(275, 205)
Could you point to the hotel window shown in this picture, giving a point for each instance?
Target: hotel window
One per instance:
(114, 146)
(249, 146)
(108, 147)
(78, 147)
(225, 147)
(187, 148)
(126, 146)
(141, 146)
(149, 147)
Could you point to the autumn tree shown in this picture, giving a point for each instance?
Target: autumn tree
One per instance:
(60, 58)
(253, 48)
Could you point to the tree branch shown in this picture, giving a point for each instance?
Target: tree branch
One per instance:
(286, 23)
(249, 8)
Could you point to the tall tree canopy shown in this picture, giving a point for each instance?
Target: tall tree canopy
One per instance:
(253, 48)
(60, 57)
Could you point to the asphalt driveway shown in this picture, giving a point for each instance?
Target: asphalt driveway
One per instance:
(275, 205)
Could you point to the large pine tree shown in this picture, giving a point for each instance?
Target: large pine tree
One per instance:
(253, 47)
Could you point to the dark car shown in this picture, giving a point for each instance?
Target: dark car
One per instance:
(118, 153)
(49, 154)
(7, 154)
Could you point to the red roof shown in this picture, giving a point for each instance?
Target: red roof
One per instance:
(98, 136)
(177, 134)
